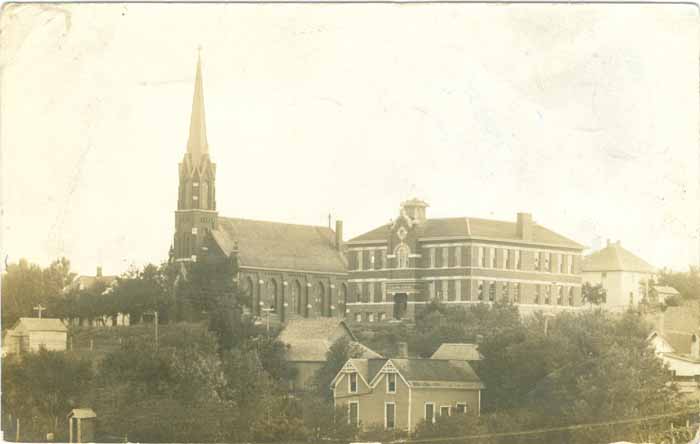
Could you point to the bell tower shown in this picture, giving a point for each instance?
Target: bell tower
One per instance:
(196, 213)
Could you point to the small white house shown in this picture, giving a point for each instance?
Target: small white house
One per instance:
(624, 276)
(31, 334)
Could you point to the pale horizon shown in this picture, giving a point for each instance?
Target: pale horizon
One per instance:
(499, 109)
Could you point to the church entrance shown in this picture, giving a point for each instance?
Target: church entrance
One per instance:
(400, 305)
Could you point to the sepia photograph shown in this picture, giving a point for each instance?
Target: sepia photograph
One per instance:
(350, 222)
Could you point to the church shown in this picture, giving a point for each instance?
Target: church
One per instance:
(387, 274)
(289, 271)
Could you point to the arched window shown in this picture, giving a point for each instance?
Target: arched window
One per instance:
(271, 295)
(317, 305)
(342, 299)
(295, 298)
(402, 252)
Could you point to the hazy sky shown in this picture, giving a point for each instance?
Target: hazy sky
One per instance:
(584, 115)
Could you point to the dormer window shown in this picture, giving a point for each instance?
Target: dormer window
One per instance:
(352, 383)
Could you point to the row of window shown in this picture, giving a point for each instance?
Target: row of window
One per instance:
(429, 412)
(486, 257)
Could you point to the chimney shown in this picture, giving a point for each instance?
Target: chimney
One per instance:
(99, 272)
(525, 226)
(403, 350)
(339, 234)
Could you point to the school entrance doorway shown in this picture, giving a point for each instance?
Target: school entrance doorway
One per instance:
(400, 305)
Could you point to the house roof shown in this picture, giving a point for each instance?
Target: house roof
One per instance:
(615, 258)
(39, 324)
(420, 370)
(468, 227)
(457, 352)
(82, 413)
(679, 341)
(280, 246)
(665, 290)
(309, 340)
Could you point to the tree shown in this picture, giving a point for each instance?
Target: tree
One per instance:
(593, 294)
(336, 357)
(687, 283)
(46, 383)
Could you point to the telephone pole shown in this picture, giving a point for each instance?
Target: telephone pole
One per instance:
(40, 308)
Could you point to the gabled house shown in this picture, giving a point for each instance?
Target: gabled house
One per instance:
(32, 334)
(681, 352)
(399, 393)
(659, 293)
(308, 342)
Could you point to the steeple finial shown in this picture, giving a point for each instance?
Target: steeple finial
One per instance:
(197, 143)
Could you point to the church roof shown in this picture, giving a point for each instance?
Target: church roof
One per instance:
(469, 227)
(275, 245)
(615, 258)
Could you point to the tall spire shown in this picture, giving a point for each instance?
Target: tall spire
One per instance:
(197, 143)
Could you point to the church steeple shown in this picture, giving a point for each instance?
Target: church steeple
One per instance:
(196, 204)
(197, 145)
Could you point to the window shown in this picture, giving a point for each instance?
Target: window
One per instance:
(461, 408)
(560, 296)
(505, 291)
(548, 261)
(482, 257)
(195, 184)
(383, 264)
(371, 292)
(506, 258)
(371, 260)
(194, 230)
(370, 317)
(402, 253)
(481, 290)
(358, 317)
(517, 260)
(458, 256)
(445, 290)
(492, 257)
(458, 290)
(537, 261)
(432, 258)
(429, 412)
(389, 415)
(561, 263)
(492, 291)
(445, 257)
(444, 410)
(382, 316)
(391, 382)
(570, 264)
(571, 295)
(352, 382)
(354, 413)
(547, 294)
(538, 294)
(360, 253)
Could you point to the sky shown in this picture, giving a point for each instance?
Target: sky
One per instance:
(585, 116)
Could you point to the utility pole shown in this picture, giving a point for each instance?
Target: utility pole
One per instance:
(40, 308)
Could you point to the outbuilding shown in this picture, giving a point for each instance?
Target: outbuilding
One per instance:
(81, 425)
(32, 334)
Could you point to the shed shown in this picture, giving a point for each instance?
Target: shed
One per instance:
(32, 334)
(81, 425)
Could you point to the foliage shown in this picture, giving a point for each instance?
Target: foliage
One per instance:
(322, 420)
(46, 384)
(336, 357)
(25, 285)
(593, 294)
(687, 283)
